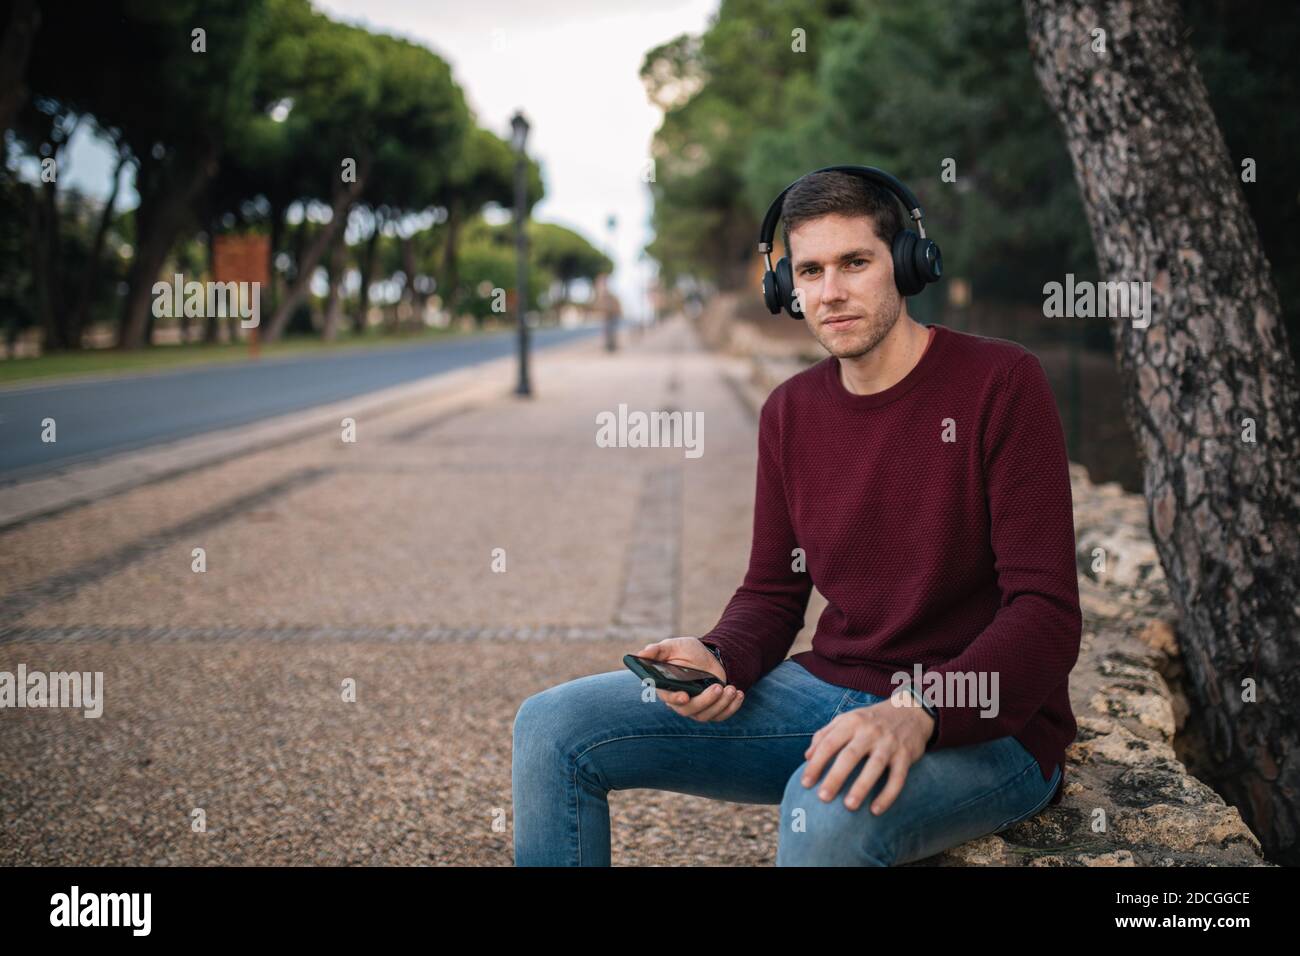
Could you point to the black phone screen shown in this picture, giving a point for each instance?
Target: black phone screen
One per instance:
(675, 671)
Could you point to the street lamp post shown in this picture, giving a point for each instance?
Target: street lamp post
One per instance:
(518, 137)
(611, 321)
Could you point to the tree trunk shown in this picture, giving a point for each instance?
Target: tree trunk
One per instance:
(48, 272)
(344, 197)
(1165, 204)
(15, 50)
(367, 270)
(277, 235)
(334, 300)
(162, 213)
(735, 256)
(212, 326)
(90, 280)
(449, 281)
(151, 250)
(410, 298)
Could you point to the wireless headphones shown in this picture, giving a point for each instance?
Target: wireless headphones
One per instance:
(917, 260)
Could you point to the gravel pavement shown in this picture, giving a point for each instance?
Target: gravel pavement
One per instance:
(225, 737)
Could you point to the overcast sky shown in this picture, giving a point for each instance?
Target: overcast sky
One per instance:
(572, 66)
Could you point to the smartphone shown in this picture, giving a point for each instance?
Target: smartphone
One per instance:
(668, 676)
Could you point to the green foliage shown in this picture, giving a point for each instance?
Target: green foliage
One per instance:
(484, 171)
(418, 125)
(230, 138)
(969, 95)
(717, 90)
(130, 63)
(906, 86)
(555, 254)
(565, 254)
(487, 265)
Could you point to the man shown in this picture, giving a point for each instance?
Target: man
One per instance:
(918, 477)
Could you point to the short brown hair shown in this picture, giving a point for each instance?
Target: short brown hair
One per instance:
(821, 193)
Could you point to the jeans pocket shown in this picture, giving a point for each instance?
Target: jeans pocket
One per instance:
(846, 703)
(853, 699)
(1051, 789)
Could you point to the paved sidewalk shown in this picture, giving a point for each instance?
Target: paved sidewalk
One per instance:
(328, 561)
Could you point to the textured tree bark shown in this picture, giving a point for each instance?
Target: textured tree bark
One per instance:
(1165, 204)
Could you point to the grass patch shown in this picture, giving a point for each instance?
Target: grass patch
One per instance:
(161, 357)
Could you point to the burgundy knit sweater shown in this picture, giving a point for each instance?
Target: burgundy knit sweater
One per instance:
(936, 519)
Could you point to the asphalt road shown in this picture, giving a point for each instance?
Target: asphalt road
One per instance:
(98, 418)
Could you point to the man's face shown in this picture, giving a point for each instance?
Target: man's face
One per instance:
(845, 272)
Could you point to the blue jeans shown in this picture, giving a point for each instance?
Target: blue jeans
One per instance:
(577, 741)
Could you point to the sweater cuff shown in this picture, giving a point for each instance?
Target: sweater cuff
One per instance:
(742, 670)
(716, 652)
(957, 727)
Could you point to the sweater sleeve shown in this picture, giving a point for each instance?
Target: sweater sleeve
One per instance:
(765, 614)
(1032, 642)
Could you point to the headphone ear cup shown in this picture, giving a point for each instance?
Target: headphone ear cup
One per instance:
(770, 296)
(785, 287)
(905, 278)
(928, 260)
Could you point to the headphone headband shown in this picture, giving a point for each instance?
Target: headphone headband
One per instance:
(768, 230)
(916, 259)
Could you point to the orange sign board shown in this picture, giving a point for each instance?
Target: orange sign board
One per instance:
(242, 259)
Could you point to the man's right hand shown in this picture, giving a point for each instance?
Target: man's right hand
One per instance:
(717, 702)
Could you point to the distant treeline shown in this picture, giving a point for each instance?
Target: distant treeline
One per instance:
(354, 152)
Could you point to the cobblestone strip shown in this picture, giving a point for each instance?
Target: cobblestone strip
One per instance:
(651, 582)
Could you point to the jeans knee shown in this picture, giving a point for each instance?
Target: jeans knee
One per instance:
(551, 721)
(532, 718)
(817, 832)
(523, 715)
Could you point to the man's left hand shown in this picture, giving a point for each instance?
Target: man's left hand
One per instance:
(892, 732)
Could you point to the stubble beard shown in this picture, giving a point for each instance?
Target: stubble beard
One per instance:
(868, 332)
